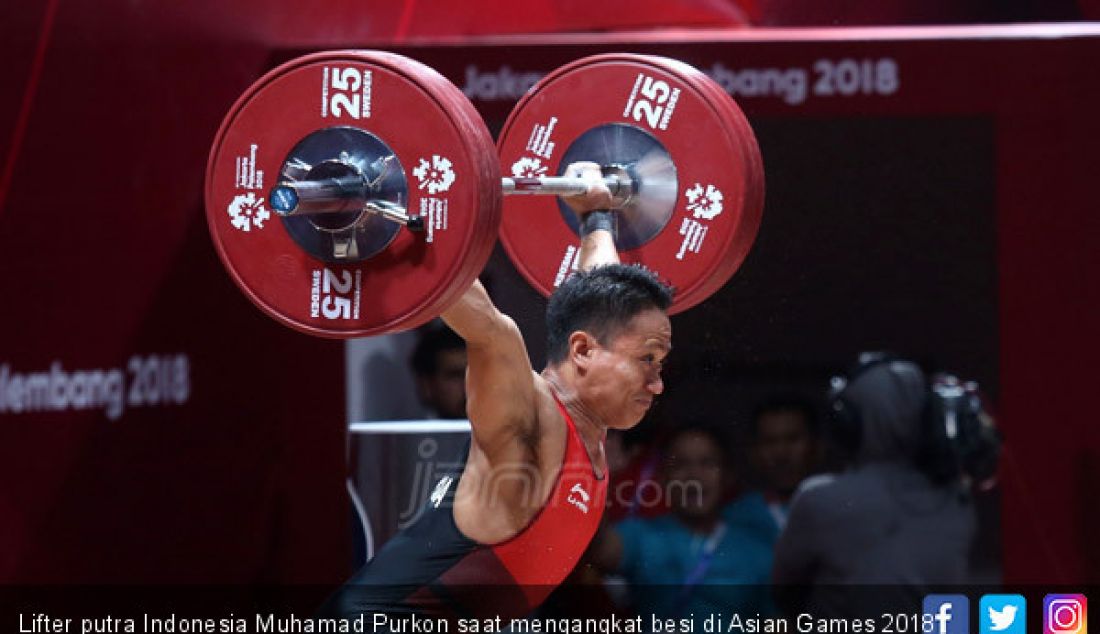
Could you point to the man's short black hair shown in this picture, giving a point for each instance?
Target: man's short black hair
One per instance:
(600, 301)
(433, 340)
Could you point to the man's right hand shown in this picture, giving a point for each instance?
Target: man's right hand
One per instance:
(597, 238)
(598, 195)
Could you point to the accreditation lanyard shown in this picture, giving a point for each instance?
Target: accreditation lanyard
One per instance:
(649, 468)
(706, 557)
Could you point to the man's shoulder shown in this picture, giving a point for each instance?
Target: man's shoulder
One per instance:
(542, 414)
(546, 434)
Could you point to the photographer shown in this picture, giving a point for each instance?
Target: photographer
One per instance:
(897, 522)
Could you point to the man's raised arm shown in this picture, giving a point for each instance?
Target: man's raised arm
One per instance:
(500, 385)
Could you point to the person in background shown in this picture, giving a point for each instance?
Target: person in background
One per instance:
(785, 449)
(439, 366)
(690, 560)
(886, 524)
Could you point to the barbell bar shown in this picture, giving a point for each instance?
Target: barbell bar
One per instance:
(346, 193)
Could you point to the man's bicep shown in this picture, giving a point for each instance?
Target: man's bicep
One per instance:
(500, 385)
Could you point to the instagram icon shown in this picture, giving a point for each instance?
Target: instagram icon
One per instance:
(1065, 614)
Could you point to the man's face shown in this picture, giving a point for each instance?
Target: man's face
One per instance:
(694, 475)
(784, 451)
(445, 390)
(624, 375)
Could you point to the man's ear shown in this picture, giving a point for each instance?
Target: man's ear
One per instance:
(582, 346)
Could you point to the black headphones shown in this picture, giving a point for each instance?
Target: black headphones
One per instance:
(959, 436)
(844, 420)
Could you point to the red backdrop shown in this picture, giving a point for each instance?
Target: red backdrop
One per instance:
(213, 449)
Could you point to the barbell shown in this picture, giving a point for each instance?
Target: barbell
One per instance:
(355, 193)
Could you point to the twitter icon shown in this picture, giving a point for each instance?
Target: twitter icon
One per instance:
(1002, 614)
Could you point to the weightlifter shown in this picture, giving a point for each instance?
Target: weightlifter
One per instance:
(500, 533)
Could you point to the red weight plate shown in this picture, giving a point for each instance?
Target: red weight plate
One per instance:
(451, 177)
(754, 199)
(718, 200)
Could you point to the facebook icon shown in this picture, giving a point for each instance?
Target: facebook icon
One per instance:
(946, 614)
